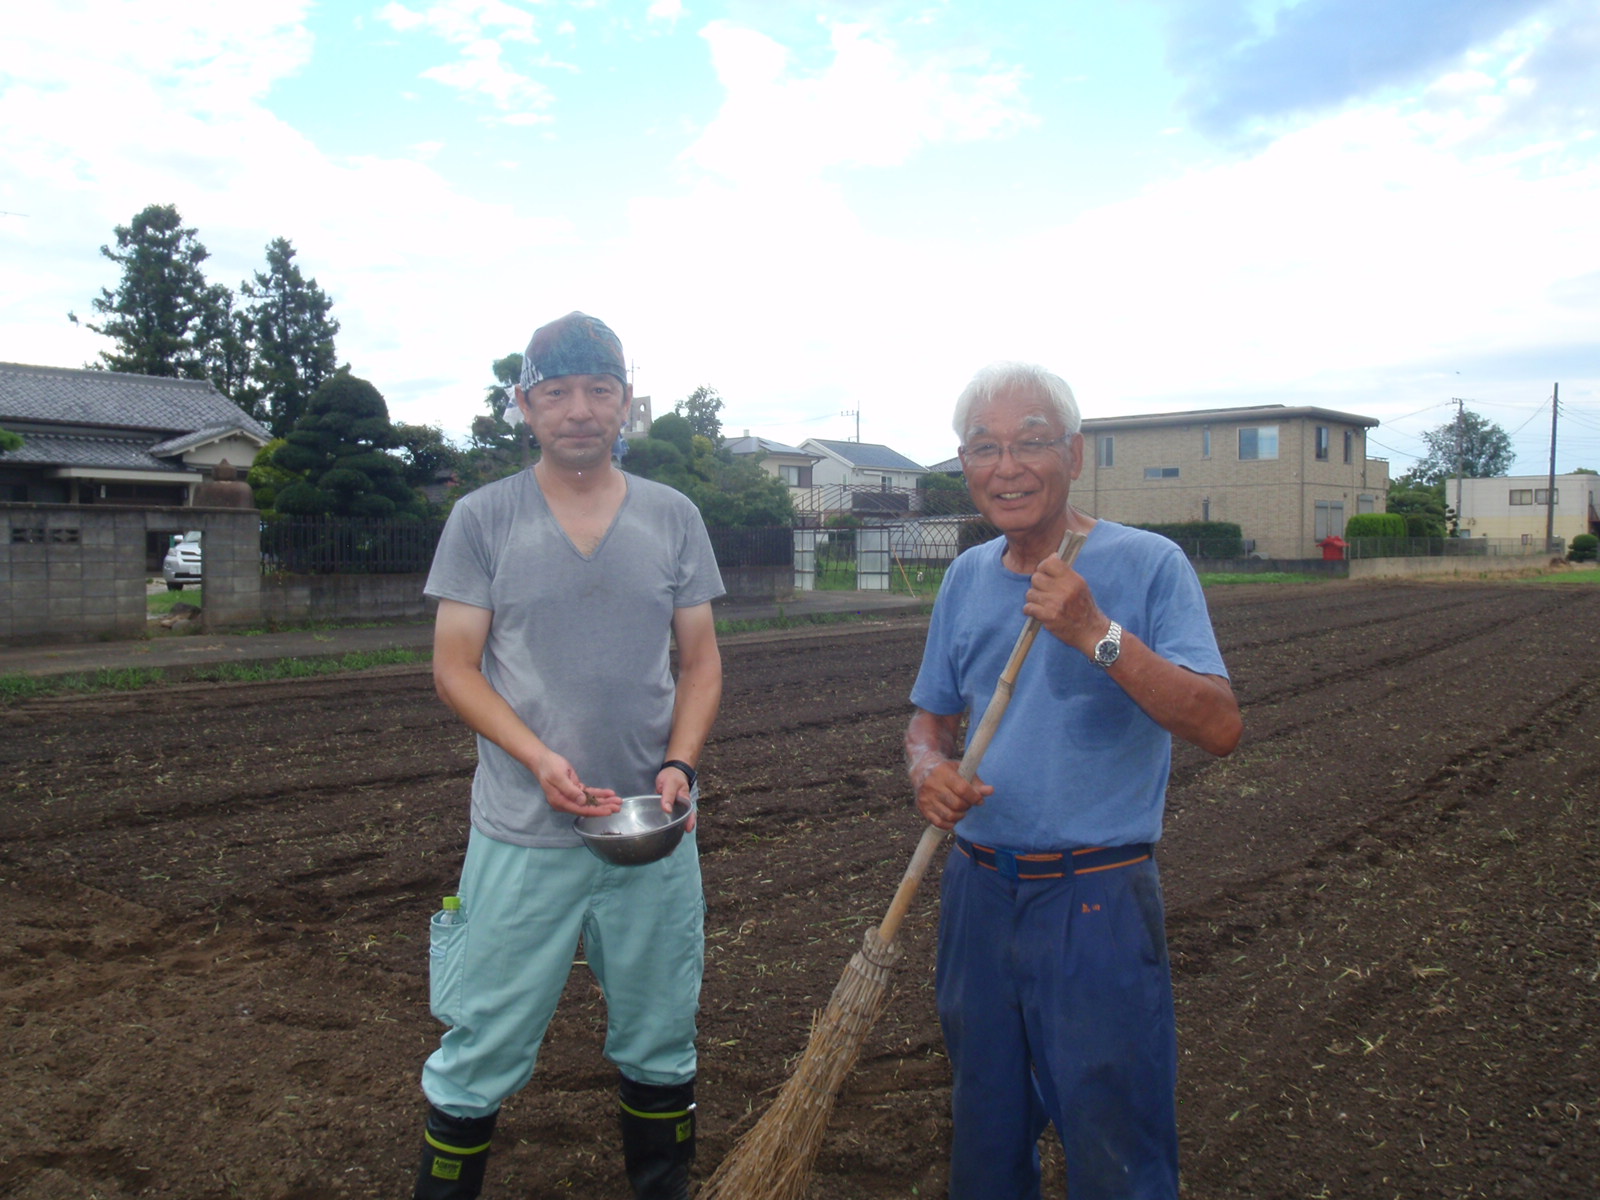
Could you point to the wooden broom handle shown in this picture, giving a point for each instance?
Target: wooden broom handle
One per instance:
(977, 744)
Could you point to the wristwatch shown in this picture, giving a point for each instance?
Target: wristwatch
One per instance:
(1109, 647)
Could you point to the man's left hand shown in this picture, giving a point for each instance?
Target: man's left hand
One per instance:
(672, 784)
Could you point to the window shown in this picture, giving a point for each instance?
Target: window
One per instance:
(1205, 509)
(1205, 442)
(1366, 503)
(1322, 443)
(1521, 495)
(1107, 450)
(1259, 441)
(795, 476)
(1542, 496)
(1349, 444)
(1329, 519)
(1161, 472)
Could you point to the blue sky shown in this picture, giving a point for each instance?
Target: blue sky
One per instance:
(850, 206)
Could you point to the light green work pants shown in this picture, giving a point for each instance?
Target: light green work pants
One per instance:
(498, 975)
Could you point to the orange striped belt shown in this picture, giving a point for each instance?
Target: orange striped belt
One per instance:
(1054, 864)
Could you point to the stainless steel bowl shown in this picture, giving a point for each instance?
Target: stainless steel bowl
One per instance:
(639, 832)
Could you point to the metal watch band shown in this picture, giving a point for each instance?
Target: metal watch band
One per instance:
(1109, 648)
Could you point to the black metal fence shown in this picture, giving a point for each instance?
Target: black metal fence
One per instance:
(347, 545)
(1445, 547)
(767, 546)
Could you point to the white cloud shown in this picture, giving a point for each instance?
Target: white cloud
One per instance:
(478, 30)
(871, 106)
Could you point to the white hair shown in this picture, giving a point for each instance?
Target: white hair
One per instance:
(1001, 378)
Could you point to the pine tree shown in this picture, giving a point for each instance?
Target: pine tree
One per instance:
(338, 451)
(162, 308)
(293, 337)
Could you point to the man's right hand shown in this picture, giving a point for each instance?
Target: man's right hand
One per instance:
(565, 792)
(943, 797)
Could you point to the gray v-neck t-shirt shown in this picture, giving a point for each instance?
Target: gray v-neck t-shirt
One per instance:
(580, 645)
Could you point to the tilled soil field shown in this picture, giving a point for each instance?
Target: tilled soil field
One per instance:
(1382, 910)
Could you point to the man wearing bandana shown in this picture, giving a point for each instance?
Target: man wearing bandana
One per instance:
(561, 591)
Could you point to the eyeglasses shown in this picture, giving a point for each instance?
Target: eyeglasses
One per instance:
(987, 454)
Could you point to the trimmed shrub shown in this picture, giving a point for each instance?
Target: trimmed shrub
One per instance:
(1583, 547)
(1203, 539)
(1364, 525)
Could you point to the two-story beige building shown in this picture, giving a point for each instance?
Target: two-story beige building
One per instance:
(1288, 477)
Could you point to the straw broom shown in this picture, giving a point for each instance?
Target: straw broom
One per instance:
(773, 1160)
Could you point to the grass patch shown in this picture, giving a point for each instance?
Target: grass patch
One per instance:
(125, 679)
(1575, 577)
(1219, 578)
(159, 604)
(306, 668)
(784, 621)
(15, 688)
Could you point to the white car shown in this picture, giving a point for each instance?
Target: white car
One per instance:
(182, 564)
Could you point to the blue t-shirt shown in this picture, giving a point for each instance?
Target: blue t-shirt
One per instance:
(1074, 762)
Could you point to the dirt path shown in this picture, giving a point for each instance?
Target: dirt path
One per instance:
(1382, 915)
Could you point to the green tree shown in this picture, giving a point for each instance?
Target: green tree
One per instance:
(338, 450)
(1476, 446)
(426, 452)
(9, 440)
(162, 308)
(944, 494)
(728, 491)
(495, 448)
(266, 479)
(702, 408)
(227, 352)
(1422, 504)
(288, 319)
(674, 428)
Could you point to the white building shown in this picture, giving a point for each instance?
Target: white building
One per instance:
(1519, 506)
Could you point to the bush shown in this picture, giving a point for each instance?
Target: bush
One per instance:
(1361, 525)
(1583, 547)
(1203, 539)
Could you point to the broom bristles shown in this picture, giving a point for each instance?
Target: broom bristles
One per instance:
(773, 1160)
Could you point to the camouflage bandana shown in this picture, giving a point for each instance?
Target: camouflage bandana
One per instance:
(576, 344)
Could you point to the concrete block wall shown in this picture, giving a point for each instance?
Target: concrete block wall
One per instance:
(76, 572)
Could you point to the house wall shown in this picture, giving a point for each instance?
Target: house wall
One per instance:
(1274, 501)
(1487, 511)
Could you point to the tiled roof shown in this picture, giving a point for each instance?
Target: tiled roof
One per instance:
(199, 437)
(109, 398)
(89, 450)
(870, 454)
(761, 445)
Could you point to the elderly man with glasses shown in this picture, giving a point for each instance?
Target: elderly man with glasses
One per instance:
(1053, 986)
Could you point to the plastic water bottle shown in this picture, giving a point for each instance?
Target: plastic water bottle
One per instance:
(450, 911)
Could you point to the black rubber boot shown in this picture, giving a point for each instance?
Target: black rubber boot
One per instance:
(657, 1138)
(454, 1153)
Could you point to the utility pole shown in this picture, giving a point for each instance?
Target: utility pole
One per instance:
(1461, 451)
(856, 413)
(1550, 490)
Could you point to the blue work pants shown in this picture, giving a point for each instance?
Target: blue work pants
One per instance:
(1055, 998)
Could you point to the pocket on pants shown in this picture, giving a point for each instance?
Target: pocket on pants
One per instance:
(447, 952)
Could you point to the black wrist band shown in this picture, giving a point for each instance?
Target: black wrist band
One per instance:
(689, 772)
